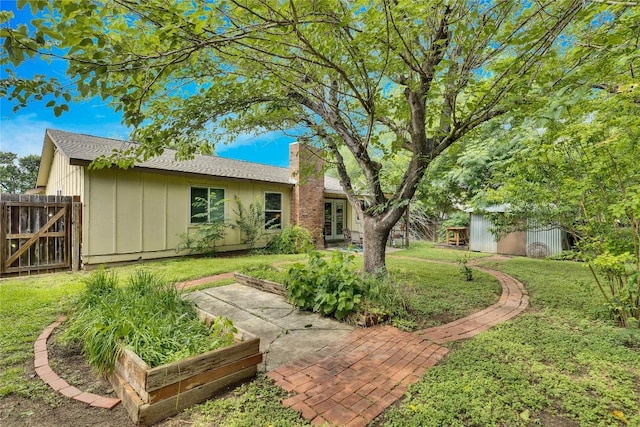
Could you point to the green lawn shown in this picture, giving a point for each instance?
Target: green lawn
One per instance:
(429, 251)
(438, 293)
(559, 363)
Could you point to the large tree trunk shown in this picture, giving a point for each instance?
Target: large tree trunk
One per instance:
(375, 235)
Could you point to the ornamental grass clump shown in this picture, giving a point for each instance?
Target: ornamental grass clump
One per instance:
(146, 315)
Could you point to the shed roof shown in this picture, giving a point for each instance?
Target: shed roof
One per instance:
(505, 207)
(81, 149)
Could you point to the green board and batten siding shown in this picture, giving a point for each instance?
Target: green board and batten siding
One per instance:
(145, 213)
(132, 214)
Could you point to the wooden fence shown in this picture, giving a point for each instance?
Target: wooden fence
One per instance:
(39, 233)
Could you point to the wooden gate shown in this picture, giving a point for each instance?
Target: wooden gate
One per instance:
(39, 233)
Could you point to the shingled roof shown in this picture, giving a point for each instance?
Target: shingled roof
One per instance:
(81, 149)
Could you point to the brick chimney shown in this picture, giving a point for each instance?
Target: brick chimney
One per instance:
(307, 201)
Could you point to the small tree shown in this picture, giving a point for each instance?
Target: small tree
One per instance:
(251, 221)
(203, 241)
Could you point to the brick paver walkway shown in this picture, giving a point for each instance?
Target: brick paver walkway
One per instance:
(352, 383)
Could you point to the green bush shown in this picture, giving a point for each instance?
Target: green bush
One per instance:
(332, 288)
(291, 240)
(146, 315)
(209, 231)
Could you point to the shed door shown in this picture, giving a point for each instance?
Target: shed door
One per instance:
(481, 239)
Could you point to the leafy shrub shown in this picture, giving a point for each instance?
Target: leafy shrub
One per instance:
(204, 239)
(291, 240)
(208, 233)
(620, 288)
(332, 288)
(146, 315)
(567, 255)
(251, 221)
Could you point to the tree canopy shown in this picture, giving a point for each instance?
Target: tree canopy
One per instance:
(18, 174)
(380, 79)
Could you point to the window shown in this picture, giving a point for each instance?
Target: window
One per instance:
(273, 210)
(207, 205)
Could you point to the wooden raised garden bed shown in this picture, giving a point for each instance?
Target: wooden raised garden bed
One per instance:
(261, 284)
(152, 394)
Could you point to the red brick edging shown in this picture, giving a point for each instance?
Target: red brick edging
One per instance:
(203, 280)
(44, 371)
(513, 301)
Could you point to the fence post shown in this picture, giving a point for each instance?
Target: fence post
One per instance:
(3, 236)
(76, 232)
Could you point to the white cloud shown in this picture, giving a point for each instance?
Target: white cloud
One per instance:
(23, 134)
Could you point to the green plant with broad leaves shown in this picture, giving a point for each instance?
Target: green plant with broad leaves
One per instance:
(147, 315)
(332, 288)
(291, 240)
(204, 239)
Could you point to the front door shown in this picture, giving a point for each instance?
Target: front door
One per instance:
(334, 219)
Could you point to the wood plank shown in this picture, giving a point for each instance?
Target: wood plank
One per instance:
(203, 378)
(9, 197)
(4, 226)
(130, 399)
(30, 235)
(67, 240)
(51, 205)
(36, 268)
(261, 284)
(35, 237)
(76, 230)
(134, 370)
(164, 375)
(152, 413)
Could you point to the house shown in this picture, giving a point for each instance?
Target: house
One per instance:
(536, 242)
(140, 212)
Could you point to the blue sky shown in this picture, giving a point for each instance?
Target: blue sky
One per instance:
(22, 132)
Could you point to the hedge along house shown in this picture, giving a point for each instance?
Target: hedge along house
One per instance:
(535, 242)
(140, 212)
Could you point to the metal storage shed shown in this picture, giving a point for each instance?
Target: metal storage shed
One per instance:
(536, 242)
